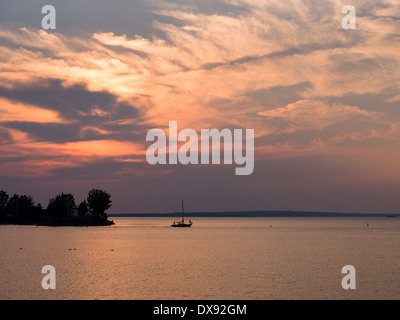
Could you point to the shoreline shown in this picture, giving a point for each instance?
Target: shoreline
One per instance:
(58, 223)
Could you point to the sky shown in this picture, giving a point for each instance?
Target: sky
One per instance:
(77, 102)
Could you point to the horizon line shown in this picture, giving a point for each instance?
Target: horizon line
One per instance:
(258, 213)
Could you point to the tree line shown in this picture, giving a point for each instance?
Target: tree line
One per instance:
(60, 209)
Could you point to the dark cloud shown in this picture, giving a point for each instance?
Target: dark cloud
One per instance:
(54, 132)
(373, 65)
(77, 105)
(280, 96)
(52, 94)
(299, 50)
(4, 136)
(371, 101)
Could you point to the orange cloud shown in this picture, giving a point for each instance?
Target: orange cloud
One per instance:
(42, 158)
(14, 111)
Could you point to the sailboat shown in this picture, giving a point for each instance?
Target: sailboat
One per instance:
(182, 224)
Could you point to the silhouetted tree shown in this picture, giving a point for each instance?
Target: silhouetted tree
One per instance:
(3, 202)
(21, 209)
(83, 209)
(99, 201)
(12, 205)
(38, 210)
(21, 206)
(62, 205)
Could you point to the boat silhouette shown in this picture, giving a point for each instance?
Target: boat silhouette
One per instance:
(182, 224)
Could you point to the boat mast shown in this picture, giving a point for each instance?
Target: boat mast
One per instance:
(183, 214)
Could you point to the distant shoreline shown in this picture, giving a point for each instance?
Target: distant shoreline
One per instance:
(258, 214)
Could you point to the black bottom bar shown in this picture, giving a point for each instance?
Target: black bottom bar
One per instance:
(196, 309)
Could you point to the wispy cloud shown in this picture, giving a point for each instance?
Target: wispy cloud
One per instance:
(203, 69)
(311, 115)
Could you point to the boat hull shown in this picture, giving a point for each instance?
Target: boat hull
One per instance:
(181, 225)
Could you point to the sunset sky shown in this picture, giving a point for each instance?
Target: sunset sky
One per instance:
(324, 102)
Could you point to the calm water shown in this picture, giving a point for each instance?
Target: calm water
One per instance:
(218, 258)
